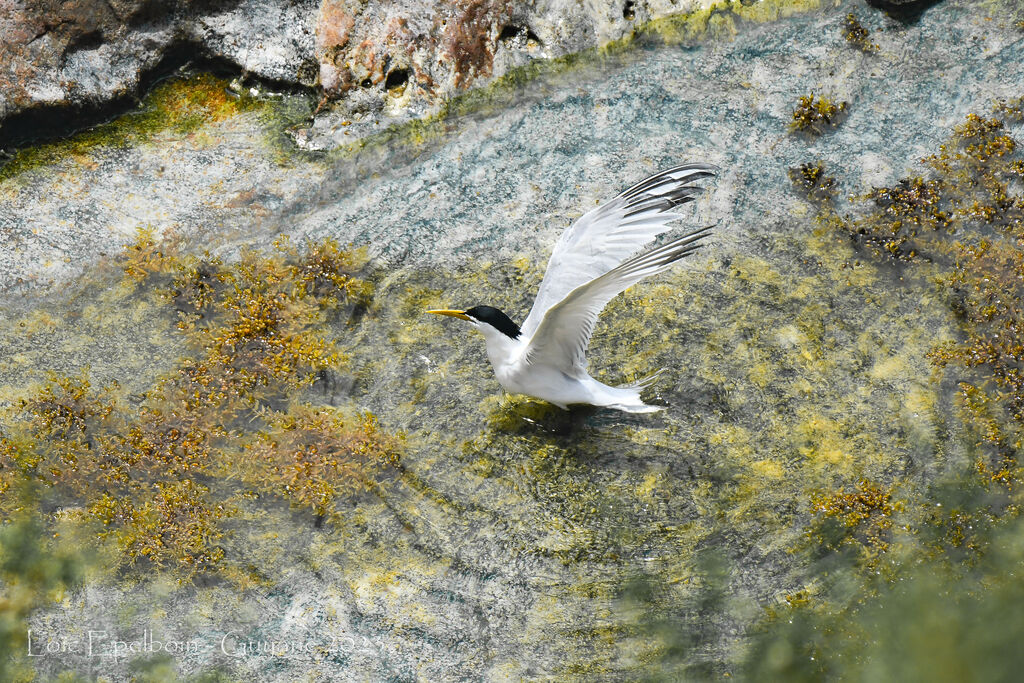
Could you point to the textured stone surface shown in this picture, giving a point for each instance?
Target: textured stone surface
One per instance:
(407, 60)
(89, 52)
(55, 53)
(501, 549)
(385, 60)
(272, 40)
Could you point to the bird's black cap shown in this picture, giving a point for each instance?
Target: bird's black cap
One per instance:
(496, 319)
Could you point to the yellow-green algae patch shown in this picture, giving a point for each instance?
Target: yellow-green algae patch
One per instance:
(961, 224)
(719, 19)
(778, 397)
(178, 106)
(1009, 11)
(939, 562)
(34, 572)
(161, 463)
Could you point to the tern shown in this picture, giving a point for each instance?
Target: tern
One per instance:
(593, 261)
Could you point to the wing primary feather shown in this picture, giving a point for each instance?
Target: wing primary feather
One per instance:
(657, 261)
(563, 335)
(683, 193)
(685, 240)
(605, 237)
(670, 176)
(648, 268)
(662, 202)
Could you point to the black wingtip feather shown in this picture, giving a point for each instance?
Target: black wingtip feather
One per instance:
(669, 253)
(667, 176)
(663, 202)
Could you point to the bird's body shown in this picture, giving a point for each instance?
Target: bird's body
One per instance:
(590, 265)
(552, 383)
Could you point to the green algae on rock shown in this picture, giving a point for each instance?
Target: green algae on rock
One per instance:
(154, 469)
(967, 217)
(891, 628)
(960, 226)
(627, 547)
(179, 105)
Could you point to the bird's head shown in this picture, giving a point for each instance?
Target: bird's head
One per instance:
(487, 319)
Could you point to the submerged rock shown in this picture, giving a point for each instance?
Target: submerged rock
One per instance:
(799, 387)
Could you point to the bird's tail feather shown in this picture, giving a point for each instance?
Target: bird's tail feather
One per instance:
(638, 407)
(631, 392)
(645, 381)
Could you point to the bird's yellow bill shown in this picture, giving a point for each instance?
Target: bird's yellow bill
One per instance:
(454, 314)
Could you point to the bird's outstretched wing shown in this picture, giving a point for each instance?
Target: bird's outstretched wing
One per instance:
(562, 337)
(605, 236)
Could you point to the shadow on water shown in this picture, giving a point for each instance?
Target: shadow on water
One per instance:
(533, 417)
(907, 13)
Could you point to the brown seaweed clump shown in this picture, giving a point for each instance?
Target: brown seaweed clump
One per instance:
(905, 210)
(864, 515)
(314, 456)
(230, 422)
(969, 189)
(815, 115)
(856, 35)
(812, 181)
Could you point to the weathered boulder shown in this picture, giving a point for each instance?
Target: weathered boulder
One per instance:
(388, 61)
(86, 52)
(391, 62)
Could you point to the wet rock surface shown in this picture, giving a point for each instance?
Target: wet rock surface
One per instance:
(83, 54)
(385, 60)
(393, 63)
(516, 541)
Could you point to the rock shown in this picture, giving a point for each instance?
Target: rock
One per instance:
(887, 4)
(906, 11)
(391, 61)
(797, 364)
(86, 53)
(273, 40)
(413, 59)
(54, 53)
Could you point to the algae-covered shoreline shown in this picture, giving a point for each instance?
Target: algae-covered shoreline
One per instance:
(819, 455)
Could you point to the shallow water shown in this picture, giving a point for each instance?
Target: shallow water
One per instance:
(517, 540)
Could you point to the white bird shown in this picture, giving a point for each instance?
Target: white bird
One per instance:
(592, 263)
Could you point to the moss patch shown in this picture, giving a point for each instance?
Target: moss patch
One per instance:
(177, 106)
(917, 555)
(162, 470)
